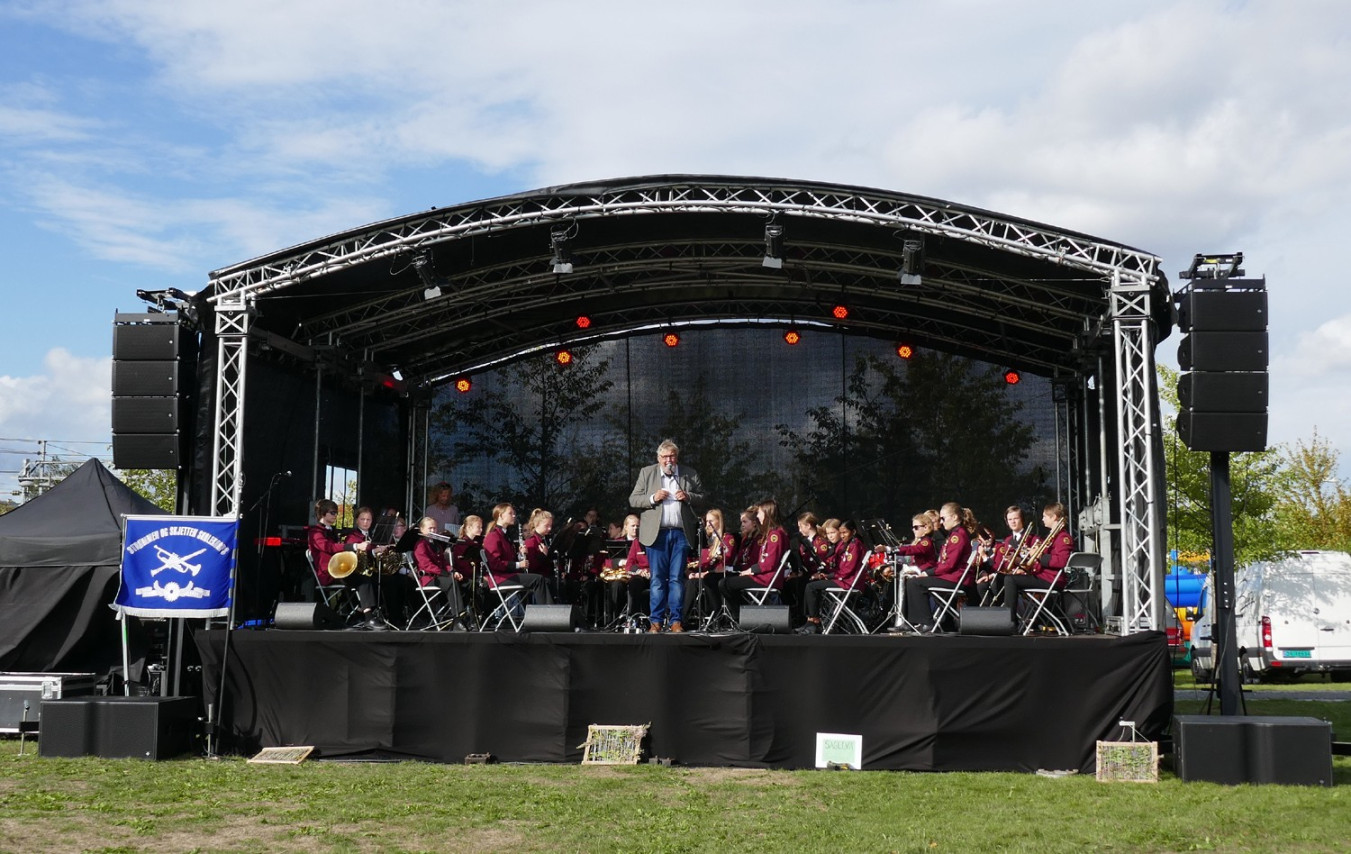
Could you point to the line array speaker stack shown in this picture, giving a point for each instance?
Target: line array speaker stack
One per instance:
(147, 391)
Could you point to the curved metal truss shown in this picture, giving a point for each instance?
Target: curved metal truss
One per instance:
(445, 292)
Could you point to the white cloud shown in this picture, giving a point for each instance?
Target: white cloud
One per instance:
(69, 404)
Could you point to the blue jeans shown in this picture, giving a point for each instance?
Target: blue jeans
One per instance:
(666, 558)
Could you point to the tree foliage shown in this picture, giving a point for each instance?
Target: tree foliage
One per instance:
(1313, 508)
(905, 438)
(159, 486)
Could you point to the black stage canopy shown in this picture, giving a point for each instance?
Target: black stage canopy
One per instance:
(920, 703)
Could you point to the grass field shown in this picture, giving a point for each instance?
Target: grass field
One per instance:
(229, 805)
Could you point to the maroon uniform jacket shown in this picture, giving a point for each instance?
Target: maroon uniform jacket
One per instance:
(431, 561)
(814, 553)
(923, 553)
(766, 568)
(637, 558)
(463, 555)
(953, 555)
(536, 559)
(727, 558)
(324, 545)
(1056, 557)
(849, 565)
(1004, 557)
(501, 555)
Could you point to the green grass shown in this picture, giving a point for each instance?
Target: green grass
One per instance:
(228, 805)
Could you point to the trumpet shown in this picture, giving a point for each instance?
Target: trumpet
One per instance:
(1028, 562)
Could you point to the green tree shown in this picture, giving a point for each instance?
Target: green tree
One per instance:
(907, 437)
(1255, 481)
(159, 486)
(1313, 508)
(534, 430)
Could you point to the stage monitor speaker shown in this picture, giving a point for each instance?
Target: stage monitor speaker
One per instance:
(1235, 750)
(986, 621)
(146, 341)
(306, 615)
(118, 727)
(765, 619)
(145, 379)
(549, 618)
(145, 450)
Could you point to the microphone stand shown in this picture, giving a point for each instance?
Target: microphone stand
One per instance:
(266, 500)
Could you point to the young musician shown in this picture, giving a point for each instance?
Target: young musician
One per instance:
(811, 548)
(639, 580)
(324, 544)
(714, 560)
(1042, 573)
(844, 576)
(765, 572)
(950, 571)
(505, 563)
(1007, 553)
(434, 567)
(394, 589)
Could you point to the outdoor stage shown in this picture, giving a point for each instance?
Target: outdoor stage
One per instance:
(949, 703)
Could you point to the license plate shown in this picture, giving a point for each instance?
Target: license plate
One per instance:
(1296, 653)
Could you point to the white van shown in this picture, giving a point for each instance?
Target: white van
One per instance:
(1291, 615)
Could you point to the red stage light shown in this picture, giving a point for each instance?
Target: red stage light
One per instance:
(583, 322)
(563, 357)
(670, 339)
(1012, 377)
(905, 351)
(792, 337)
(840, 311)
(463, 385)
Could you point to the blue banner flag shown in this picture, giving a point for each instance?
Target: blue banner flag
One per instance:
(177, 566)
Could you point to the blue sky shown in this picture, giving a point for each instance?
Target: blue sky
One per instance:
(144, 144)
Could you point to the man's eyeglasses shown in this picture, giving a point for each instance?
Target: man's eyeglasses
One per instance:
(916, 527)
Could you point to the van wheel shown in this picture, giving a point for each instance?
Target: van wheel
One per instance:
(1202, 674)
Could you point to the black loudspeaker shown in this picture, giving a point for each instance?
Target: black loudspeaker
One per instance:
(145, 450)
(1223, 351)
(985, 621)
(145, 379)
(549, 618)
(1217, 392)
(1234, 750)
(118, 727)
(765, 619)
(306, 615)
(1223, 431)
(145, 414)
(140, 341)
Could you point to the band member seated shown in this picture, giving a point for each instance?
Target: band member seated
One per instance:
(948, 573)
(466, 554)
(1008, 552)
(844, 576)
(394, 590)
(538, 556)
(770, 548)
(434, 567)
(324, 543)
(506, 564)
(714, 561)
(585, 558)
(811, 548)
(627, 589)
(1042, 562)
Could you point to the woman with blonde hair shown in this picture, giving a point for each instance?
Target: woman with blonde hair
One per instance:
(506, 565)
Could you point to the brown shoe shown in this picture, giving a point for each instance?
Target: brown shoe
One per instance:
(654, 628)
(676, 627)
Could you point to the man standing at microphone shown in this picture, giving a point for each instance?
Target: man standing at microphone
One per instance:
(665, 492)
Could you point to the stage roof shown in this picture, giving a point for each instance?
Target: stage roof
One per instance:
(673, 251)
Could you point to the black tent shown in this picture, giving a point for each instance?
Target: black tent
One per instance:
(59, 559)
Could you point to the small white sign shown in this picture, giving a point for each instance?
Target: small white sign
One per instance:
(834, 748)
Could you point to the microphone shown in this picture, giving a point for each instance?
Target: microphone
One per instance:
(668, 469)
(286, 473)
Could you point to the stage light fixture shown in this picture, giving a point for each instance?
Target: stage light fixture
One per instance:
(562, 260)
(773, 247)
(904, 351)
(1012, 377)
(583, 322)
(792, 337)
(912, 262)
(422, 265)
(839, 311)
(463, 385)
(563, 357)
(671, 339)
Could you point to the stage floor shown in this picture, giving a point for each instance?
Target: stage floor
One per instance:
(946, 703)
